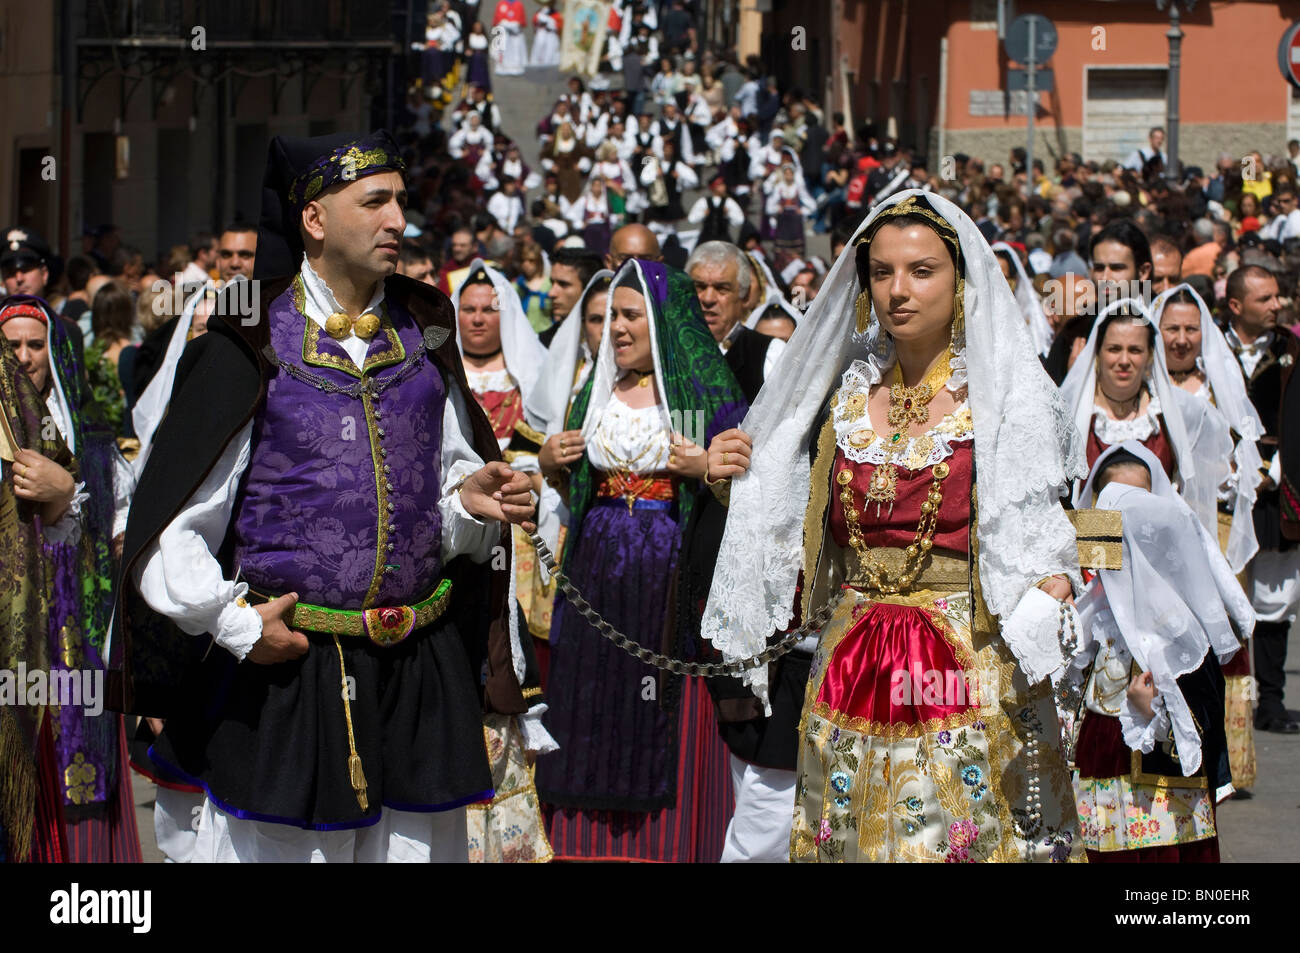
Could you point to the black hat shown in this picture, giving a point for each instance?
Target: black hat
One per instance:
(24, 248)
(889, 149)
(299, 170)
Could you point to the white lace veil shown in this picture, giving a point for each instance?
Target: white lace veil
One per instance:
(1200, 438)
(771, 290)
(1026, 452)
(1040, 330)
(545, 406)
(522, 351)
(1223, 375)
(1174, 600)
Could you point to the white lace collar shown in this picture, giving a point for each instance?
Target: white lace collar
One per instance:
(862, 442)
(489, 382)
(1111, 431)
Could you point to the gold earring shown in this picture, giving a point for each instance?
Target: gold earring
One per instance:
(959, 313)
(864, 312)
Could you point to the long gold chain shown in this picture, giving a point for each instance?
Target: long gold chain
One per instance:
(873, 573)
(907, 405)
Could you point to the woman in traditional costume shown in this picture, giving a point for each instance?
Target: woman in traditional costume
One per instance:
(593, 216)
(1119, 389)
(1151, 742)
(641, 774)
(1027, 300)
(788, 204)
(502, 357)
(931, 510)
(90, 750)
(1202, 362)
(31, 802)
(477, 73)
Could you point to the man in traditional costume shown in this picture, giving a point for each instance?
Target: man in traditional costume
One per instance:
(933, 393)
(319, 471)
(509, 48)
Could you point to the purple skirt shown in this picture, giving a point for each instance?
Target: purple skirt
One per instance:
(631, 780)
(479, 75)
(616, 740)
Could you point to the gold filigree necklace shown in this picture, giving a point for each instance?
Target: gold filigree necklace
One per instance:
(907, 405)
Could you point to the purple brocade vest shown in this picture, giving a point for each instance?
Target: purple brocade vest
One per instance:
(341, 496)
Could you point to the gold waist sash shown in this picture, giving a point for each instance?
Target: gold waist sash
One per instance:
(938, 573)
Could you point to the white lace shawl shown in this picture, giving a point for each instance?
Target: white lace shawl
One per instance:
(1223, 377)
(1200, 437)
(1174, 600)
(1031, 306)
(546, 404)
(1026, 452)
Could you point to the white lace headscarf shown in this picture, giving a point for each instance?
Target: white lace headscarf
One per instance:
(522, 351)
(1026, 452)
(548, 403)
(771, 290)
(1201, 441)
(1174, 600)
(1031, 306)
(1223, 375)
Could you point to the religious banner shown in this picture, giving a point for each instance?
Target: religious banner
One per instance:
(583, 39)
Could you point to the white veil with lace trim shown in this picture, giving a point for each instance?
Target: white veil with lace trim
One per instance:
(1228, 388)
(1026, 451)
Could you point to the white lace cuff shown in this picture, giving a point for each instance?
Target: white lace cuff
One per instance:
(1032, 632)
(67, 529)
(238, 629)
(1141, 734)
(536, 738)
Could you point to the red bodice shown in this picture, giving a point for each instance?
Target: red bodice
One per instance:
(1158, 443)
(897, 527)
(504, 408)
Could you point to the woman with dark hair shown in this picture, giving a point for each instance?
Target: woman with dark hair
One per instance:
(110, 358)
(918, 386)
(641, 773)
(1120, 389)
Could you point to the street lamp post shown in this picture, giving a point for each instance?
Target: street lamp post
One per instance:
(1175, 35)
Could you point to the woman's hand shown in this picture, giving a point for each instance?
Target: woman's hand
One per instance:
(687, 459)
(40, 479)
(729, 454)
(1142, 693)
(561, 450)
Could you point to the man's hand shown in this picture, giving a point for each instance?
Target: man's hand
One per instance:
(497, 492)
(561, 450)
(40, 479)
(729, 454)
(278, 643)
(1142, 692)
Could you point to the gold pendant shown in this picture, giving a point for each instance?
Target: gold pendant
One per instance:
(366, 326)
(338, 325)
(909, 405)
(883, 487)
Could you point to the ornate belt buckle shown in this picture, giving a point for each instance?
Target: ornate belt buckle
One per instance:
(389, 626)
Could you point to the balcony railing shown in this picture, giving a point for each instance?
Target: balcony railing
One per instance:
(264, 22)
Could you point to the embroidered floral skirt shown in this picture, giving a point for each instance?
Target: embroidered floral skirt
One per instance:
(1120, 812)
(508, 829)
(913, 742)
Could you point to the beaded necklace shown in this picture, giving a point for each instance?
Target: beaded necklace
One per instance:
(907, 405)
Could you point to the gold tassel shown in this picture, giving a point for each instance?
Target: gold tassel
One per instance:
(355, 774)
(864, 311)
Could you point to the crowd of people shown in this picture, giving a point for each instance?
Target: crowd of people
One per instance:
(289, 499)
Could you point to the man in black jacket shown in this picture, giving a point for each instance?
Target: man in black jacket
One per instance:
(764, 751)
(1267, 354)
